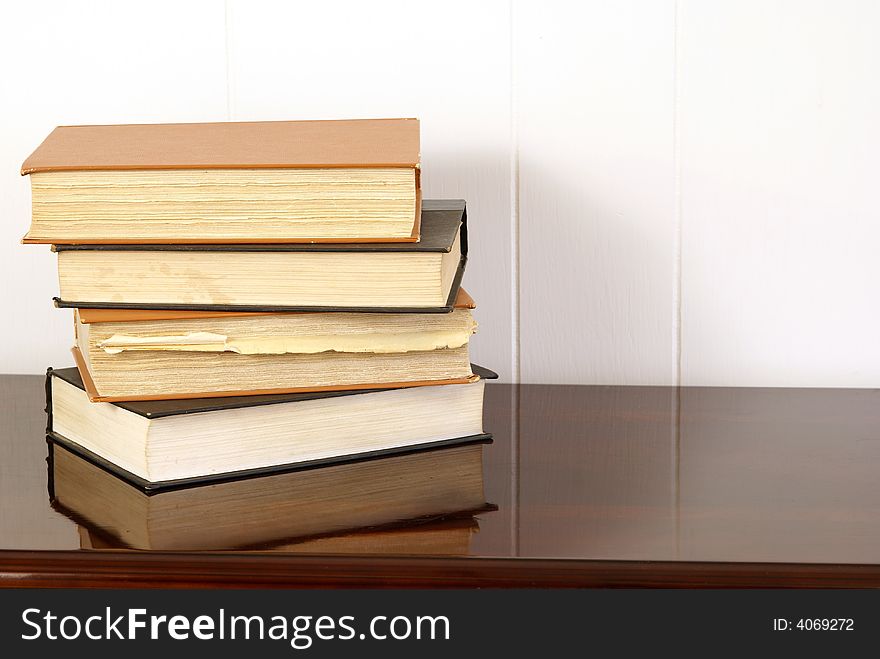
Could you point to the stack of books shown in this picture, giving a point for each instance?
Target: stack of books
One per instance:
(253, 299)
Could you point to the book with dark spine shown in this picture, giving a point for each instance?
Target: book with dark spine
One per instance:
(173, 443)
(367, 277)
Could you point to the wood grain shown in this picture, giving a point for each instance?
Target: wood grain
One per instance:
(126, 570)
(594, 486)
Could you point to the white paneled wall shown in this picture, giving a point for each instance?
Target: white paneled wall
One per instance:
(659, 191)
(780, 182)
(594, 105)
(80, 63)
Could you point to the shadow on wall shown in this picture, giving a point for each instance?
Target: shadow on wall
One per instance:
(483, 180)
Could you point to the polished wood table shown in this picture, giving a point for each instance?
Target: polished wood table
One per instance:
(594, 486)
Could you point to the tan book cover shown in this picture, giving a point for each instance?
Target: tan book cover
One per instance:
(230, 145)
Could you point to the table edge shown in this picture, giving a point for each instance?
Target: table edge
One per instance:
(127, 569)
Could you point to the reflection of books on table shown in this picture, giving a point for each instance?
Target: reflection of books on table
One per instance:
(444, 537)
(306, 509)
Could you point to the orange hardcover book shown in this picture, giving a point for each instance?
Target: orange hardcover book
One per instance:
(233, 182)
(194, 354)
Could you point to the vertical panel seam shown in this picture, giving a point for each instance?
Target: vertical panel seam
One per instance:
(514, 285)
(677, 273)
(227, 28)
(677, 222)
(514, 204)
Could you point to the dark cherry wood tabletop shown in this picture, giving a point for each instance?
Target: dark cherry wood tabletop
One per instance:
(594, 486)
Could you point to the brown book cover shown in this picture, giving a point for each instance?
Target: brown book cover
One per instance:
(230, 145)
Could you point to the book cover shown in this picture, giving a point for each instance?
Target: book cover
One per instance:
(229, 145)
(442, 221)
(157, 409)
(89, 182)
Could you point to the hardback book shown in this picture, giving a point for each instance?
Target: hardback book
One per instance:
(450, 536)
(275, 277)
(201, 353)
(272, 182)
(290, 507)
(167, 443)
